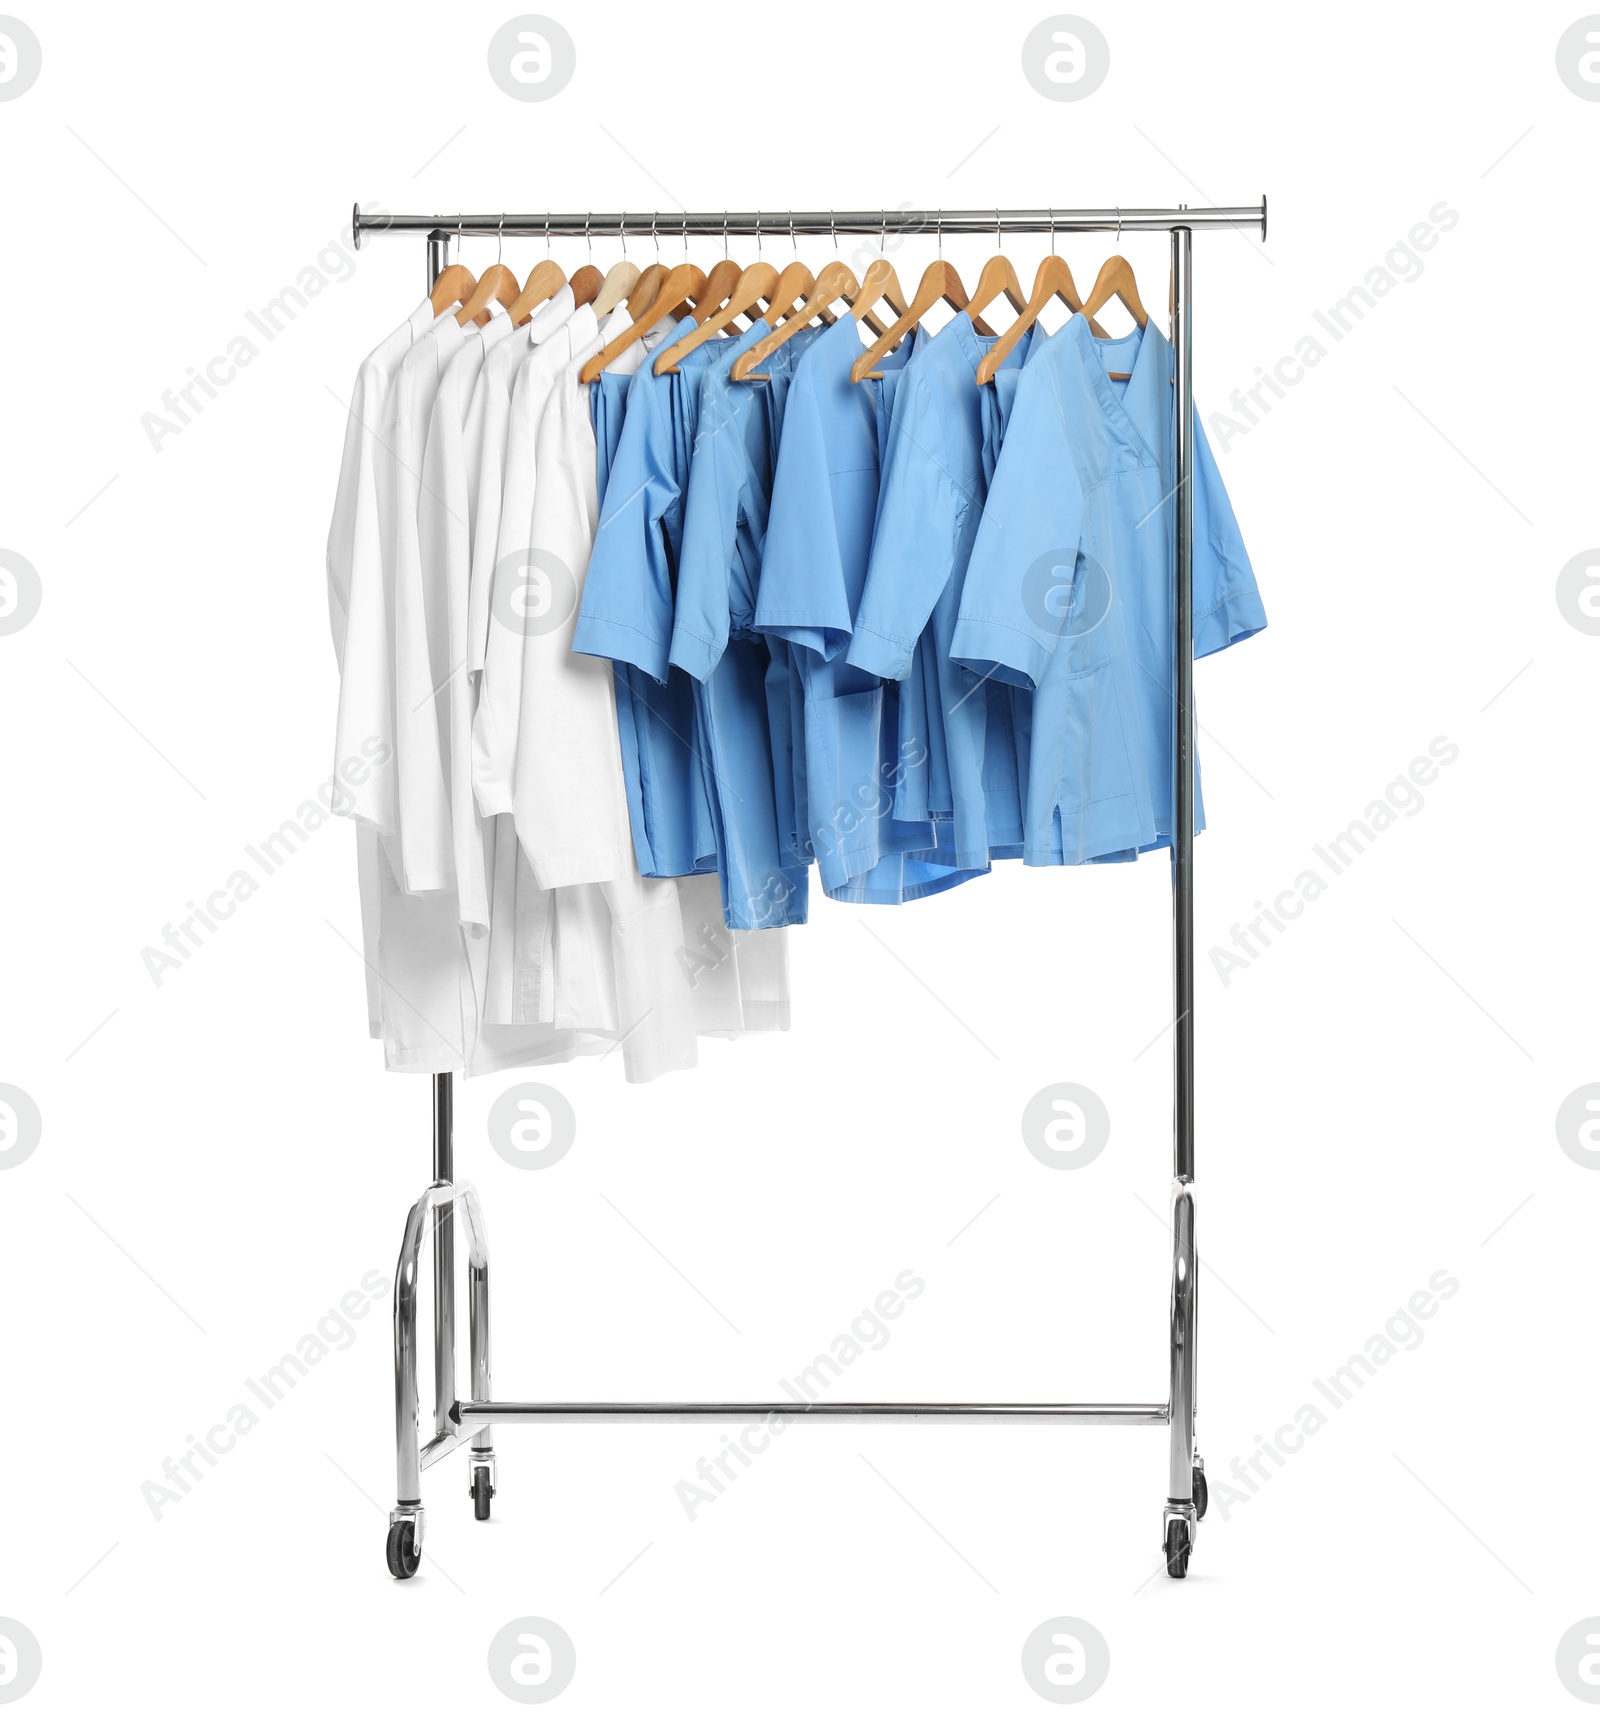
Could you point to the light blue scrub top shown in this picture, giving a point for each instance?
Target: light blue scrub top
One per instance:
(819, 536)
(1069, 589)
(786, 688)
(742, 695)
(608, 409)
(934, 486)
(923, 771)
(626, 615)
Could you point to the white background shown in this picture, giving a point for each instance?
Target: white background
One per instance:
(224, 1158)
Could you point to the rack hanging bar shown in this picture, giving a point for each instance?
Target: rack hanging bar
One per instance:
(669, 224)
(1143, 1415)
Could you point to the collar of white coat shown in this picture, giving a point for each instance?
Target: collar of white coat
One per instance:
(551, 316)
(498, 327)
(634, 354)
(582, 332)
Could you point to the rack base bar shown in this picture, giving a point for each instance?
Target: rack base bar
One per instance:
(1117, 1415)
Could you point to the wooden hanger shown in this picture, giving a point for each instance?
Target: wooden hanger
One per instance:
(1054, 281)
(455, 286)
(998, 278)
(546, 280)
(757, 282)
(495, 283)
(681, 286)
(645, 289)
(793, 282)
(879, 286)
(834, 281)
(621, 279)
(939, 281)
(585, 283)
(796, 282)
(720, 283)
(1115, 281)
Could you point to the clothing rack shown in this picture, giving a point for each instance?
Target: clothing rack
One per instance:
(460, 1421)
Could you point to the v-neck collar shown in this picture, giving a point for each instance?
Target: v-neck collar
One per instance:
(1146, 361)
(978, 347)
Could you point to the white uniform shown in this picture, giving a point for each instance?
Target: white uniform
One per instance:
(494, 741)
(448, 433)
(445, 508)
(568, 793)
(491, 409)
(360, 565)
(514, 979)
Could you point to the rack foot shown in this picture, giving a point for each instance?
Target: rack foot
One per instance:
(1202, 1494)
(404, 1549)
(1178, 1527)
(481, 1483)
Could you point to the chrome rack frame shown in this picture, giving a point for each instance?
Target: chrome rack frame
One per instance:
(460, 1421)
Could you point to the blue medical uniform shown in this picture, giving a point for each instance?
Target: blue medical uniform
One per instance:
(819, 536)
(608, 409)
(741, 695)
(785, 687)
(923, 772)
(1069, 589)
(626, 616)
(934, 486)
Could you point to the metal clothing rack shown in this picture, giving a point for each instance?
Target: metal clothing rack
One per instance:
(470, 1421)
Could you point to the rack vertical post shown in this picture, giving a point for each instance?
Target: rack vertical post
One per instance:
(1184, 1484)
(444, 1244)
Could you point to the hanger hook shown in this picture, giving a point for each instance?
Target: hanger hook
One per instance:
(833, 227)
(586, 239)
(794, 244)
(1119, 226)
(500, 238)
(655, 238)
(758, 235)
(939, 233)
(883, 231)
(685, 224)
(622, 227)
(1052, 232)
(725, 235)
(997, 227)
(547, 233)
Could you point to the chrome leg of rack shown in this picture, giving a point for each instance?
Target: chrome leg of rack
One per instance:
(1181, 1515)
(444, 1259)
(481, 1479)
(406, 1521)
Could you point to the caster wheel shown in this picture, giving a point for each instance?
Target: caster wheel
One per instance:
(1177, 1549)
(1202, 1494)
(404, 1554)
(482, 1494)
